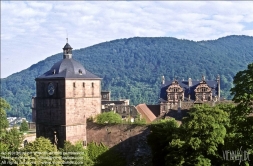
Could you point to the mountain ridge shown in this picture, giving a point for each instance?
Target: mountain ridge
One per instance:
(132, 68)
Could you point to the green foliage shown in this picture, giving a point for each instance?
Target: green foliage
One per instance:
(205, 131)
(197, 141)
(243, 90)
(24, 126)
(162, 132)
(40, 151)
(128, 66)
(3, 119)
(12, 139)
(9, 139)
(241, 118)
(95, 150)
(108, 118)
(81, 155)
(139, 121)
(102, 155)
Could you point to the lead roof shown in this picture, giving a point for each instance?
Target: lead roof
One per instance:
(68, 68)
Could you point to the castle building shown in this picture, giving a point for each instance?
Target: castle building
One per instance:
(66, 95)
(176, 92)
(121, 106)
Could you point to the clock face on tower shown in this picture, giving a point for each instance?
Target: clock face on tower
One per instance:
(50, 88)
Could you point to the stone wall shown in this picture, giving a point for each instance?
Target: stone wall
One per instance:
(129, 140)
(83, 88)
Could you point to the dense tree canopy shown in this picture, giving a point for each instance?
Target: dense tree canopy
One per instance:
(80, 156)
(108, 118)
(132, 68)
(197, 141)
(39, 152)
(10, 140)
(102, 155)
(24, 126)
(3, 119)
(241, 116)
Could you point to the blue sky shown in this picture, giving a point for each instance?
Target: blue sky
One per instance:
(34, 30)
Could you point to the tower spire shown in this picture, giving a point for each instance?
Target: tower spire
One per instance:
(67, 51)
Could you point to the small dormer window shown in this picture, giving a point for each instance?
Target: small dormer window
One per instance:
(80, 72)
(54, 71)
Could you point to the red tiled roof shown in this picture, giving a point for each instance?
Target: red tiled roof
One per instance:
(146, 113)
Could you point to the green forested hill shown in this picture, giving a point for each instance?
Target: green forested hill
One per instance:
(132, 68)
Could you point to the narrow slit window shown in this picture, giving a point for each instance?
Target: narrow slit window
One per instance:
(74, 84)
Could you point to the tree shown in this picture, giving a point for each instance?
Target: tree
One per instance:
(243, 91)
(81, 155)
(3, 119)
(241, 118)
(109, 117)
(10, 140)
(13, 139)
(24, 126)
(95, 150)
(39, 152)
(161, 134)
(203, 133)
(101, 155)
(198, 141)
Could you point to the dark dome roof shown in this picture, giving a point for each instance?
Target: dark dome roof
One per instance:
(68, 68)
(70, 64)
(67, 46)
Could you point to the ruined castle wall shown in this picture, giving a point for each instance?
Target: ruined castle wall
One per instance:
(111, 135)
(128, 140)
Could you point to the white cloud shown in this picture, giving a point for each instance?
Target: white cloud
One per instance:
(41, 27)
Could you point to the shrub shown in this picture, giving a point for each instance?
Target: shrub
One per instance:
(139, 121)
(109, 117)
(24, 126)
(102, 155)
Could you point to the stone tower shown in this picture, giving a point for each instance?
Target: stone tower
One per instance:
(66, 95)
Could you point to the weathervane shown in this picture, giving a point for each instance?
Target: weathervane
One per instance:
(67, 35)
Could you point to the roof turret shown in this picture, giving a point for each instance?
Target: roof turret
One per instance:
(68, 67)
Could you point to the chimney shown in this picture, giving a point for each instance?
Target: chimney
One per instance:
(179, 106)
(189, 82)
(163, 80)
(218, 82)
(203, 78)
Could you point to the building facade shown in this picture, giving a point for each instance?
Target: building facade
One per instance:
(66, 95)
(122, 106)
(176, 92)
